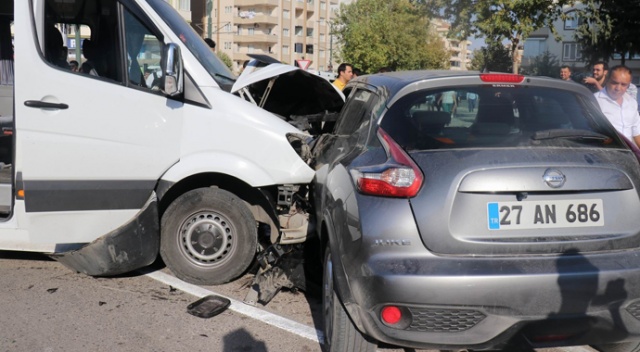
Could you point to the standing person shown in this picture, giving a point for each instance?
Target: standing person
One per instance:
(472, 98)
(599, 71)
(449, 101)
(565, 73)
(345, 74)
(617, 106)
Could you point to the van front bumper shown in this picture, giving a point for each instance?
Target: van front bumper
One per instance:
(132, 246)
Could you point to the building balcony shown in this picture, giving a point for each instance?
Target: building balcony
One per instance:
(267, 3)
(255, 38)
(258, 18)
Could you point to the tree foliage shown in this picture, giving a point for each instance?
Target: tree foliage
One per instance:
(493, 57)
(546, 65)
(392, 33)
(225, 59)
(608, 27)
(499, 20)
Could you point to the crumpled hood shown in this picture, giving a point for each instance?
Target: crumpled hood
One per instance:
(294, 91)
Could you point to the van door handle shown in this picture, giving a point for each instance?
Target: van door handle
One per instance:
(44, 105)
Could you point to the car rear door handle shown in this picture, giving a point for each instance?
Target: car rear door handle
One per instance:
(44, 105)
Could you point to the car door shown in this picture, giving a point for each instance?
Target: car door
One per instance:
(89, 149)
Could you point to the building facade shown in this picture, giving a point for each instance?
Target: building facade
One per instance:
(460, 49)
(567, 50)
(287, 30)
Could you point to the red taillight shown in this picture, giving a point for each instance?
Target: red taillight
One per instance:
(501, 78)
(391, 315)
(399, 177)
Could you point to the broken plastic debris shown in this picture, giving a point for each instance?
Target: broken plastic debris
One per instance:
(208, 306)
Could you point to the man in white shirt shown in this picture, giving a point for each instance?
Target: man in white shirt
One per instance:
(619, 108)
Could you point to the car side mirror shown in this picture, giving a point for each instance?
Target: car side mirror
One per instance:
(173, 70)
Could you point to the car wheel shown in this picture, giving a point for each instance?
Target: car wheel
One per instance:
(208, 236)
(619, 347)
(339, 332)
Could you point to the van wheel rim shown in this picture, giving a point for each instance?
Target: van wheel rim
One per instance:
(206, 238)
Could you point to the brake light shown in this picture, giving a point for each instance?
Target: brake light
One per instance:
(501, 78)
(398, 177)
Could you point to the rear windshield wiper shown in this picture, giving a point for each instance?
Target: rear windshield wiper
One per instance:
(570, 134)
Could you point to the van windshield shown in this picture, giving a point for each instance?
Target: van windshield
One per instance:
(216, 68)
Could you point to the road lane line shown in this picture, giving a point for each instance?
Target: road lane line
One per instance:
(239, 307)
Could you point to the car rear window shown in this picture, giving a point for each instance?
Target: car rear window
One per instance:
(487, 116)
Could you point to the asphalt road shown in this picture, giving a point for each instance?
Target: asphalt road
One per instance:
(47, 307)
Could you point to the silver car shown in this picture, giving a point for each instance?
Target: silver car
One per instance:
(512, 220)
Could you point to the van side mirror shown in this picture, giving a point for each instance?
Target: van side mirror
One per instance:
(173, 70)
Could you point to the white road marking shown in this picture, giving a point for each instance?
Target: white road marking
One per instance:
(239, 307)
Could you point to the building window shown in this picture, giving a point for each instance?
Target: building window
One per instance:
(321, 53)
(185, 5)
(309, 49)
(228, 9)
(285, 49)
(534, 47)
(250, 49)
(321, 38)
(298, 30)
(227, 45)
(285, 14)
(251, 31)
(571, 52)
(297, 47)
(309, 32)
(572, 21)
(227, 28)
(239, 30)
(323, 5)
(285, 32)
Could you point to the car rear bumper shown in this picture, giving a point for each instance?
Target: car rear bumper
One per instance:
(484, 303)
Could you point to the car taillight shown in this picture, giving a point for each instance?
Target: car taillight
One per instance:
(501, 78)
(398, 177)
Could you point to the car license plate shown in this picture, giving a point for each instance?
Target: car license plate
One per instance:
(545, 214)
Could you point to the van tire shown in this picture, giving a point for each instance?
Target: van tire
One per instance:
(208, 236)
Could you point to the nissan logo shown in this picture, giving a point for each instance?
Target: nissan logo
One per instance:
(554, 178)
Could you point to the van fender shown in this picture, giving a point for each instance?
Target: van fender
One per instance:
(220, 162)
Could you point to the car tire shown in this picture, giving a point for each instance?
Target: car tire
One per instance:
(619, 347)
(208, 236)
(340, 334)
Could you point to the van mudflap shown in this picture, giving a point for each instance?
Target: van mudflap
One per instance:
(132, 246)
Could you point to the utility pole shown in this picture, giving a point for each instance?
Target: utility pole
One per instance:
(209, 8)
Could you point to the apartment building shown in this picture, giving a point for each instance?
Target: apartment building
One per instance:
(567, 51)
(287, 30)
(461, 52)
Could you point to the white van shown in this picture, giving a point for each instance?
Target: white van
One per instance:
(105, 173)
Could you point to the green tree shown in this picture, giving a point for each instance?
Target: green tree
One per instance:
(546, 65)
(497, 20)
(493, 57)
(393, 33)
(608, 27)
(225, 59)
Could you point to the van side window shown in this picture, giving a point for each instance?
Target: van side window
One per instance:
(144, 51)
(90, 33)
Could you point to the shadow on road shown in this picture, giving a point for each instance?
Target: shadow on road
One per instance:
(242, 341)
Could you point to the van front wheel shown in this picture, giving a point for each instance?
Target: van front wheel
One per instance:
(208, 236)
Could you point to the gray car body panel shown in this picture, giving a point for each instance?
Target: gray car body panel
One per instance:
(428, 253)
